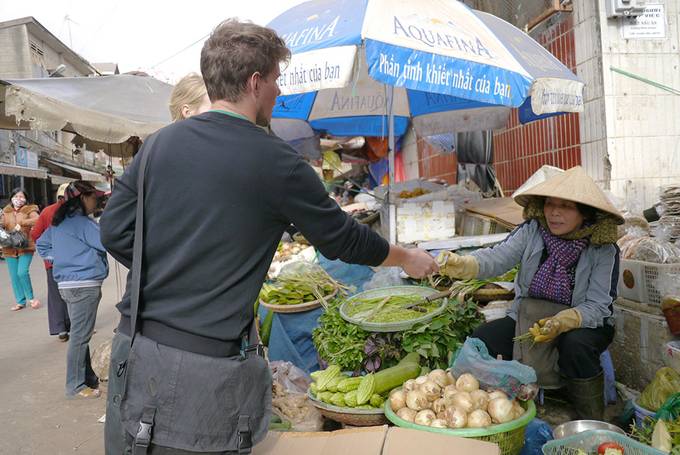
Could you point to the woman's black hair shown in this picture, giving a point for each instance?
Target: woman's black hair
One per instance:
(73, 203)
(589, 213)
(17, 190)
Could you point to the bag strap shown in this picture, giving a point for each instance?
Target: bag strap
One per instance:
(136, 281)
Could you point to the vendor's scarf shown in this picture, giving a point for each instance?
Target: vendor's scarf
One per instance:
(602, 232)
(553, 280)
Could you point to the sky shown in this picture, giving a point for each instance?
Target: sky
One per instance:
(143, 34)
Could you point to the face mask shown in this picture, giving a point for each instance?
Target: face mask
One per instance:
(18, 202)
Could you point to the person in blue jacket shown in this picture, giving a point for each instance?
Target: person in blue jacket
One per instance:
(80, 266)
(564, 290)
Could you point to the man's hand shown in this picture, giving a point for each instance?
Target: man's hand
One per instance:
(17, 227)
(419, 263)
(416, 263)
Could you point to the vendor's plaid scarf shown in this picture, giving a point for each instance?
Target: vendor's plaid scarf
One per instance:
(553, 281)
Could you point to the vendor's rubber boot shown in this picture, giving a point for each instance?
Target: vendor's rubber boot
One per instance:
(587, 397)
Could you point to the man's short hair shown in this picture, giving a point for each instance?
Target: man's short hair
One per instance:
(233, 52)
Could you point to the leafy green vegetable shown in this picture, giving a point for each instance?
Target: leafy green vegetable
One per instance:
(346, 345)
(437, 339)
(337, 341)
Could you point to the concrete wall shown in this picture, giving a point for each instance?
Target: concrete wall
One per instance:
(630, 131)
(15, 58)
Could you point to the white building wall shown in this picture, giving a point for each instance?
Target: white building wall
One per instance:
(589, 68)
(642, 121)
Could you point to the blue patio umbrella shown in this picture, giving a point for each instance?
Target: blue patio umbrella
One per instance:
(369, 67)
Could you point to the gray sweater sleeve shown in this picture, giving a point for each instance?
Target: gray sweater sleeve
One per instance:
(602, 287)
(500, 258)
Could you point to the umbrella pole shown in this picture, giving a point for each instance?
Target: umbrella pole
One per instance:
(392, 209)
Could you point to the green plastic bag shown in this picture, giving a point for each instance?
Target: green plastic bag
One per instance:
(665, 383)
(670, 410)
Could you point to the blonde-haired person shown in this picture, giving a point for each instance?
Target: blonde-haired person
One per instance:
(189, 97)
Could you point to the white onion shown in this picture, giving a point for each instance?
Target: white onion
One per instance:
(480, 399)
(420, 380)
(462, 401)
(450, 377)
(439, 377)
(416, 400)
(455, 418)
(478, 419)
(449, 392)
(440, 405)
(438, 423)
(425, 417)
(467, 383)
(407, 414)
(431, 390)
(517, 409)
(497, 394)
(397, 400)
(409, 385)
(500, 410)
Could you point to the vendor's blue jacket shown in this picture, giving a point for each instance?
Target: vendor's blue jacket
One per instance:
(76, 252)
(596, 278)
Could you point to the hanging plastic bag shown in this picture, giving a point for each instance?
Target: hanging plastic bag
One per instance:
(512, 377)
(666, 382)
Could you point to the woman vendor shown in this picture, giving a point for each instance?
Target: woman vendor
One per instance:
(565, 287)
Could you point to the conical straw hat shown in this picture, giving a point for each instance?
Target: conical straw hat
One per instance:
(573, 185)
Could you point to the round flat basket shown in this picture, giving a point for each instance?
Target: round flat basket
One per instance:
(299, 308)
(509, 436)
(350, 416)
(397, 326)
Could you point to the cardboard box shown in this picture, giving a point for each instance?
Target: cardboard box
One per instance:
(382, 440)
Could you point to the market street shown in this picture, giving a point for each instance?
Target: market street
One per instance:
(35, 416)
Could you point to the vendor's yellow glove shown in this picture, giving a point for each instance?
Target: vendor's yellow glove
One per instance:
(548, 329)
(456, 266)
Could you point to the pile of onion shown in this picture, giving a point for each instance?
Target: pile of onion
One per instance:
(440, 400)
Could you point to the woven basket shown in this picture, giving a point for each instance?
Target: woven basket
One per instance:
(509, 436)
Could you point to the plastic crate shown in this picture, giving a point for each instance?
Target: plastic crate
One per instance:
(639, 280)
(588, 441)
